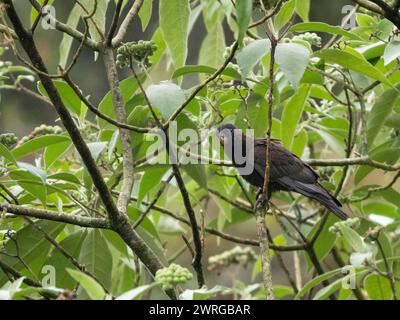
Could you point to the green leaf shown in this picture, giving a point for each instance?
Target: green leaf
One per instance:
(197, 173)
(292, 115)
(174, 24)
(382, 209)
(168, 225)
(31, 182)
(380, 112)
(36, 144)
(65, 45)
(65, 176)
(250, 55)
(71, 244)
(70, 99)
(190, 69)
(372, 51)
(388, 152)
(128, 87)
(325, 292)
(378, 287)
(33, 170)
(4, 152)
(204, 293)
(151, 178)
(392, 52)
(91, 286)
(323, 27)
(284, 14)
(54, 152)
(99, 16)
(352, 62)
(96, 148)
(316, 281)
(96, 257)
(33, 248)
(300, 143)
(325, 241)
(166, 96)
(303, 9)
(352, 238)
(292, 59)
(244, 9)
(145, 13)
(136, 293)
(213, 47)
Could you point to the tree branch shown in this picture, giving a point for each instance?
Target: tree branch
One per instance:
(119, 222)
(123, 29)
(124, 134)
(55, 216)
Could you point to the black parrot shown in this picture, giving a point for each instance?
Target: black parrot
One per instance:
(287, 171)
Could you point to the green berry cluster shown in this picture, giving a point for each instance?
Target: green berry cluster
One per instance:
(8, 139)
(352, 223)
(172, 275)
(237, 255)
(311, 37)
(42, 130)
(138, 51)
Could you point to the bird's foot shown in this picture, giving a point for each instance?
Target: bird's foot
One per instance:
(261, 200)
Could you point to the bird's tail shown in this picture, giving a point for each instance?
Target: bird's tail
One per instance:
(318, 193)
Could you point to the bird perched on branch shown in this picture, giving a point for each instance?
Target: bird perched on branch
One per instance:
(287, 171)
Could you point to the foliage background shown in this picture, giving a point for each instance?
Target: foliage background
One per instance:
(105, 255)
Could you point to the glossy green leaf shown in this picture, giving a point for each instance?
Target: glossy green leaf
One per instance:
(204, 293)
(136, 293)
(72, 245)
(303, 9)
(174, 24)
(145, 13)
(352, 238)
(65, 45)
(378, 287)
(380, 112)
(213, 47)
(190, 69)
(166, 96)
(70, 99)
(91, 286)
(316, 281)
(284, 14)
(250, 55)
(32, 246)
(292, 115)
(96, 257)
(100, 9)
(4, 152)
(292, 59)
(244, 9)
(54, 152)
(151, 179)
(352, 62)
(36, 144)
(323, 27)
(128, 87)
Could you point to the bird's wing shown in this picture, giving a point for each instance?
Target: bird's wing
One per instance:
(283, 163)
(291, 173)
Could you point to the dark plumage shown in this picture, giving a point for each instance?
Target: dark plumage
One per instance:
(287, 171)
